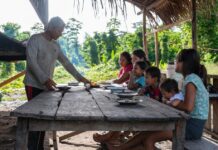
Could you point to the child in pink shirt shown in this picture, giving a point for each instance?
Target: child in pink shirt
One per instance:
(126, 64)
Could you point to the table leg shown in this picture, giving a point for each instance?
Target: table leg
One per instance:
(179, 135)
(55, 142)
(21, 134)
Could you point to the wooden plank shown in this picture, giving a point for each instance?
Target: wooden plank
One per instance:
(156, 48)
(215, 116)
(78, 105)
(208, 124)
(202, 144)
(194, 25)
(12, 78)
(145, 44)
(141, 112)
(71, 134)
(215, 83)
(21, 134)
(179, 135)
(55, 141)
(73, 125)
(165, 109)
(43, 106)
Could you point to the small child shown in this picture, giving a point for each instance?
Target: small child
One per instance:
(170, 91)
(137, 79)
(152, 90)
(125, 62)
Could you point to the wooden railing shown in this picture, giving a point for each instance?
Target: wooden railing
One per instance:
(212, 122)
(12, 78)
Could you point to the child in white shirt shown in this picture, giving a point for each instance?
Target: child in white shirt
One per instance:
(170, 91)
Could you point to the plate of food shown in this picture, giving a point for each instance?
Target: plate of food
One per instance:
(73, 84)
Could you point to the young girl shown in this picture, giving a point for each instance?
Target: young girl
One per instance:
(139, 55)
(170, 91)
(195, 103)
(137, 79)
(126, 64)
(152, 90)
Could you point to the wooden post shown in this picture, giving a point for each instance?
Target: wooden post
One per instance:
(179, 135)
(156, 49)
(21, 134)
(145, 47)
(194, 25)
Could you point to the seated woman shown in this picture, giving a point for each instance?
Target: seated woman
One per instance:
(126, 64)
(139, 55)
(195, 102)
(137, 79)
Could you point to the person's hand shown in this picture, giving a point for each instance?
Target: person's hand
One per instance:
(141, 92)
(50, 84)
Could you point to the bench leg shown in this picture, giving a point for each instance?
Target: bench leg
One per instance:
(179, 135)
(55, 142)
(21, 134)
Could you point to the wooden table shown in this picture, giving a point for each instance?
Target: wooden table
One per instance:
(95, 110)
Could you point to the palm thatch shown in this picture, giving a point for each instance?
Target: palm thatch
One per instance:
(157, 11)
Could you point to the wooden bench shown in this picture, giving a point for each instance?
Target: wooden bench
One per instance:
(202, 144)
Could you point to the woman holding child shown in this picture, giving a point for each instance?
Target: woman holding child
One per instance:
(194, 102)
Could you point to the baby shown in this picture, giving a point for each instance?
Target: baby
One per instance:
(170, 91)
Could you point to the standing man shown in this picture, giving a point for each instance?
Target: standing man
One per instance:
(42, 53)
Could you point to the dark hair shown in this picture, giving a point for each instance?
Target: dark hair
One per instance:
(141, 54)
(154, 72)
(127, 56)
(191, 64)
(170, 85)
(142, 65)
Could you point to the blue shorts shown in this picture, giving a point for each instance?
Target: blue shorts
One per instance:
(194, 129)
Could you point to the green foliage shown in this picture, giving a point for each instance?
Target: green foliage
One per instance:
(8, 68)
(37, 28)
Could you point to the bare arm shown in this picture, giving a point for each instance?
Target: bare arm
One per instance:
(122, 79)
(132, 85)
(175, 103)
(189, 101)
(70, 68)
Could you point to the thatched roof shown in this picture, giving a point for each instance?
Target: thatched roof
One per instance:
(157, 11)
(11, 49)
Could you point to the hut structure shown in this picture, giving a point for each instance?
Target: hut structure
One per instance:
(158, 14)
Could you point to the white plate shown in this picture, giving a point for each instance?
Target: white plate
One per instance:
(63, 87)
(126, 94)
(127, 102)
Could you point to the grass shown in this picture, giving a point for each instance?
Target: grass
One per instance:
(15, 90)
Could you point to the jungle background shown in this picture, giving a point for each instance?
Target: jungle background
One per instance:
(97, 56)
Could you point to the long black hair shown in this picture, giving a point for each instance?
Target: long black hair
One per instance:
(141, 54)
(127, 56)
(191, 64)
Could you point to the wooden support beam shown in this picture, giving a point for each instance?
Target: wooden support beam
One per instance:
(194, 25)
(156, 49)
(168, 26)
(12, 78)
(145, 46)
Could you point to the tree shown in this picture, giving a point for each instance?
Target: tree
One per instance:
(37, 28)
(71, 33)
(11, 29)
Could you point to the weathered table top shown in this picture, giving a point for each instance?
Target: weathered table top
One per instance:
(93, 105)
